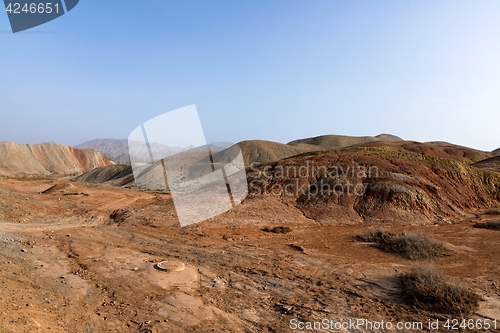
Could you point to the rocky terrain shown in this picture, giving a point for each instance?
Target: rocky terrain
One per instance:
(80, 254)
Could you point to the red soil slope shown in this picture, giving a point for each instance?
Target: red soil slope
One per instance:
(369, 184)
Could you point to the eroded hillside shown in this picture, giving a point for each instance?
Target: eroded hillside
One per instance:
(46, 159)
(383, 184)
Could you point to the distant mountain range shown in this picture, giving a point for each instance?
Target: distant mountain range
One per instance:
(118, 150)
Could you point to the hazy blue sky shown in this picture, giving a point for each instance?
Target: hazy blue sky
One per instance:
(274, 70)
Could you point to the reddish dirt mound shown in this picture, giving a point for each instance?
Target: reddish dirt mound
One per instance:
(378, 184)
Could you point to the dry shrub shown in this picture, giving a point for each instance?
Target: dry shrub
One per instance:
(428, 290)
(413, 245)
(119, 215)
(494, 225)
(278, 230)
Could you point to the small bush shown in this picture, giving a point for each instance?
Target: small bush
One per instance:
(119, 215)
(414, 246)
(494, 225)
(427, 289)
(277, 230)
